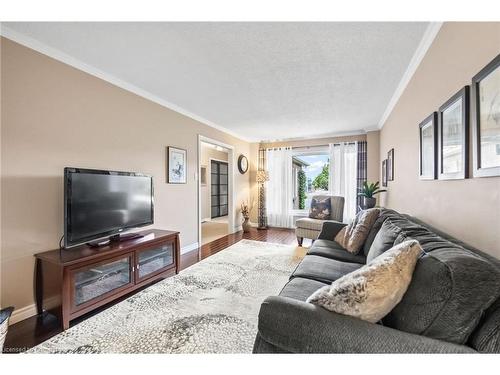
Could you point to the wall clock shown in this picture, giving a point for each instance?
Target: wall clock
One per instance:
(243, 164)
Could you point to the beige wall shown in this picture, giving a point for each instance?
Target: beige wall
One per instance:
(467, 209)
(208, 153)
(55, 116)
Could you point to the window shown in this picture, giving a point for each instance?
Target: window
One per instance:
(310, 172)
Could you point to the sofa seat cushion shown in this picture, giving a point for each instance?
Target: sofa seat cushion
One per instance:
(300, 289)
(332, 250)
(309, 223)
(323, 269)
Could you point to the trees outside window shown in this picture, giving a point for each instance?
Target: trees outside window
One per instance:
(310, 177)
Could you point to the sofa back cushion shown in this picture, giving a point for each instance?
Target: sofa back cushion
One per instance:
(384, 214)
(451, 288)
(384, 240)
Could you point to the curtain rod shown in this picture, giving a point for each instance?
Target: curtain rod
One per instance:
(310, 147)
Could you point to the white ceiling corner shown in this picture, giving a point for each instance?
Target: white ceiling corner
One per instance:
(255, 81)
(429, 36)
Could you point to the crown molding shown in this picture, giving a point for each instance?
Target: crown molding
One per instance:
(427, 39)
(373, 128)
(58, 55)
(80, 65)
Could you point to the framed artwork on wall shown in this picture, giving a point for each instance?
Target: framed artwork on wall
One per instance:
(453, 137)
(176, 165)
(428, 147)
(390, 165)
(384, 172)
(486, 120)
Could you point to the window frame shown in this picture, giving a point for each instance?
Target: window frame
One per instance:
(308, 151)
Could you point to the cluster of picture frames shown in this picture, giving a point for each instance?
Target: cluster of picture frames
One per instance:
(388, 168)
(444, 135)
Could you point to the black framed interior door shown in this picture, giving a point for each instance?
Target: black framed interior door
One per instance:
(219, 188)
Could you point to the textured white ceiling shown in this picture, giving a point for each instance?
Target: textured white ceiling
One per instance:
(262, 81)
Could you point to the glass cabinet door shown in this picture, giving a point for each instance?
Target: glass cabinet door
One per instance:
(154, 260)
(94, 281)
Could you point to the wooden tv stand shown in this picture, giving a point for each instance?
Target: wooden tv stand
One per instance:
(73, 282)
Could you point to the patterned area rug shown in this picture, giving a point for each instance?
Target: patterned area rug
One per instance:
(211, 307)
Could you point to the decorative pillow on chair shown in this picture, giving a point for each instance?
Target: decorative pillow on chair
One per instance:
(372, 291)
(353, 236)
(321, 208)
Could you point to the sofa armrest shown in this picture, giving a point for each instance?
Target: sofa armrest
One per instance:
(330, 229)
(301, 327)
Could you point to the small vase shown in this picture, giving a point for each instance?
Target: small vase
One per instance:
(369, 202)
(246, 225)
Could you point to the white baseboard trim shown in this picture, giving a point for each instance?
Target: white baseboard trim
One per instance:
(188, 248)
(22, 313)
(254, 225)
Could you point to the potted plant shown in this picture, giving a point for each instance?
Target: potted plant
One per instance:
(368, 192)
(246, 208)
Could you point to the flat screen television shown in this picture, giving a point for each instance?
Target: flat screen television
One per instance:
(100, 204)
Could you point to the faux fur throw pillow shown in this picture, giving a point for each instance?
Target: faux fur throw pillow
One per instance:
(372, 291)
(353, 236)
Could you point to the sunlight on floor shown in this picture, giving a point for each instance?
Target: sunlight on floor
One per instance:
(212, 230)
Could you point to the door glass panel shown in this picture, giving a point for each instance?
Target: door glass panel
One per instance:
(219, 188)
(95, 281)
(155, 259)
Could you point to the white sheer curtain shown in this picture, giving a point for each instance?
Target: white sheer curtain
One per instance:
(279, 187)
(342, 176)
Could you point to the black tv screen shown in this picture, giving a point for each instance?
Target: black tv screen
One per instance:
(103, 203)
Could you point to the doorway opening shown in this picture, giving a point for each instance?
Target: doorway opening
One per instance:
(215, 162)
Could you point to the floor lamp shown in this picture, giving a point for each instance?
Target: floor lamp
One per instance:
(262, 177)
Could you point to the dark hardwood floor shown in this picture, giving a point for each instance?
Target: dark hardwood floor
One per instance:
(33, 331)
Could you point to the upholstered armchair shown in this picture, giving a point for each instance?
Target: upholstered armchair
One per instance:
(323, 208)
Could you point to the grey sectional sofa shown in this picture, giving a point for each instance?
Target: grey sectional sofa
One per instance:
(451, 306)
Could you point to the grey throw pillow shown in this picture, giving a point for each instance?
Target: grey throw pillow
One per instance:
(372, 291)
(384, 240)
